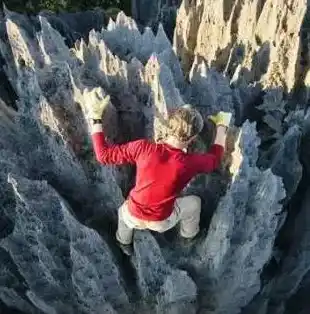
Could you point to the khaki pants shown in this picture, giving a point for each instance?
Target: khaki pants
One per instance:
(186, 212)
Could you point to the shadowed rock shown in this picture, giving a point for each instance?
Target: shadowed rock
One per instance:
(51, 186)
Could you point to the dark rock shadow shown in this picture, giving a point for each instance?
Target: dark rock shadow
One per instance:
(299, 303)
(150, 14)
(235, 57)
(7, 93)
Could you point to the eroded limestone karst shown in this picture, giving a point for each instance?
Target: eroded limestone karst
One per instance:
(59, 206)
(262, 37)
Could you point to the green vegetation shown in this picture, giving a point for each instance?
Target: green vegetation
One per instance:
(33, 6)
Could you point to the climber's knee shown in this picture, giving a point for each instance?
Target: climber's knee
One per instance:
(189, 208)
(188, 205)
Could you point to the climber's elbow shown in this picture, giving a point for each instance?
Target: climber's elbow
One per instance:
(217, 152)
(213, 158)
(101, 149)
(106, 155)
(101, 157)
(213, 163)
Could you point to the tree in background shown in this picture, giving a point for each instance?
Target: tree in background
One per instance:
(33, 6)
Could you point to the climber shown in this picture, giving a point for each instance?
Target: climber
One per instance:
(163, 170)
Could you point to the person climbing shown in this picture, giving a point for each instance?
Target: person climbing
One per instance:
(163, 169)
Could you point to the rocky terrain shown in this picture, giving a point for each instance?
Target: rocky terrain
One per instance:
(59, 206)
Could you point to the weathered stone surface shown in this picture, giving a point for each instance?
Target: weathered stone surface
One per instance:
(241, 233)
(187, 26)
(66, 266)
(295, 265)
(160, 285)
(283, 159)
(226, 33)
(203, 80)
(51, 186)
(287, 292)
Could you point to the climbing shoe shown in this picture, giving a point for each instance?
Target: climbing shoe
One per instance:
(189, 242)
(127, 249)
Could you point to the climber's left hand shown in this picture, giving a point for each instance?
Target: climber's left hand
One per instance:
(96, 104)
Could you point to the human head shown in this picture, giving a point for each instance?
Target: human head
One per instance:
(184, 124)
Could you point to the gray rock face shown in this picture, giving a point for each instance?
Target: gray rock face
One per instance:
(241, 234)
(66, 266)
(228, 33)
(58, 206)
(172, 289)
(295, 266)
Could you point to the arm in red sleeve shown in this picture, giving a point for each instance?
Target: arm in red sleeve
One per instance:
(117, 153)
(210, 161)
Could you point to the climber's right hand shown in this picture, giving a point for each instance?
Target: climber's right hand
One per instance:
(96, 104)
(221, 119)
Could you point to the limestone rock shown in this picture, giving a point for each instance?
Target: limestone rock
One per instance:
(227, 33)
(52, 188)
(187, 26)
(295, 266)
(54, 269)
(210, 89)
(282, 158)
(241, 233)
(159, 284)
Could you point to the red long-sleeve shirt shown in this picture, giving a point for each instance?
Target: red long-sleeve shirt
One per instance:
(162, 172)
